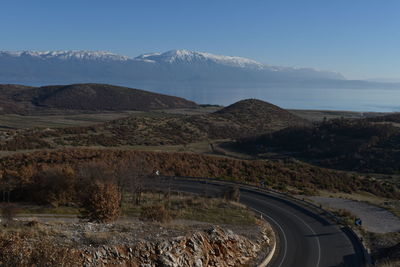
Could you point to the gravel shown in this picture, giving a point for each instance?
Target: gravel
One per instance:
(374, 218)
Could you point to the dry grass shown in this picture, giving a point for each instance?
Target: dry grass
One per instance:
(187, 207)
(55, 121)
(389, 263)
(319, 115)
(59, 119)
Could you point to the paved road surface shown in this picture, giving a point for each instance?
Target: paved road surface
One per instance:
(305, 238)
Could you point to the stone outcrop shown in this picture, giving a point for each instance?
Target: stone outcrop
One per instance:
(213, 247)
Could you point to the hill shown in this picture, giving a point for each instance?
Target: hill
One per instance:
(92, 97)
(8, 103)
(355, 145)
(260, 116)
(242, 119)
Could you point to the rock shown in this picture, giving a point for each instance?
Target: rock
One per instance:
(214, 247)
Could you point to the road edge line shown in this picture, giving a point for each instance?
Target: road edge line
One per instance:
(268, 259)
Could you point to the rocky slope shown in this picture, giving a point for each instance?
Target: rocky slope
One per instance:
(214, 247)
(133, 243)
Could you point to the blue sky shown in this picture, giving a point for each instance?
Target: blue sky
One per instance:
(359, 38)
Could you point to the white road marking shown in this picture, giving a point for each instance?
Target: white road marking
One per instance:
(300, 219)
(281, 229)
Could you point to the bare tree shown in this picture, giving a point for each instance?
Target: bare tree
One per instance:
(7, 184)
(130, 175)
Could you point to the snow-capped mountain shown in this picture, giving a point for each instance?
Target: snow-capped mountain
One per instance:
(66, 55)
(31, 67)
(191, 57)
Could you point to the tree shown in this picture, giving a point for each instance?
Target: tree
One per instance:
(8, 183)
(55, 186)
(129, 176)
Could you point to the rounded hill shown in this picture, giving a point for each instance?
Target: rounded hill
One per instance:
(103, 97)
(260, 115)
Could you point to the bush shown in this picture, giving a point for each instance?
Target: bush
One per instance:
(232, 193)
(54, 186)
(100, 202)
(8, 212)
(19, 249)
(155, 213)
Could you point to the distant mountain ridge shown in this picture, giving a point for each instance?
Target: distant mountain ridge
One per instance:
(191, 57)
(172, 57)
(65, 55)
(31, 67)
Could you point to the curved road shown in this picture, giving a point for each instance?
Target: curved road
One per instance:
(305, 239)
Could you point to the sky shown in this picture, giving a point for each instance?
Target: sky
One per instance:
(358, 38)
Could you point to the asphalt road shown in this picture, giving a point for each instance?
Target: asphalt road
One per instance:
(305, 239)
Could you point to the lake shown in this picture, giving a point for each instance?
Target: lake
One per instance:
(379, 100)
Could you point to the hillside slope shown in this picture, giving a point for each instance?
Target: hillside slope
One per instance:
(355, 145)
(8, 103)
(260, 116)
(389, 118)
(242, 119)
(92, 97)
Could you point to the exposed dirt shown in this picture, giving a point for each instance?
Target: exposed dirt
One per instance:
(374, 218)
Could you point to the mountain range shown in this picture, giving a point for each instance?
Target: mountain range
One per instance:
(193, 75)
(30, 67)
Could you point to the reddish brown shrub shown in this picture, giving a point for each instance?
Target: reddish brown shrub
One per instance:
(100, 202)
(155, 213)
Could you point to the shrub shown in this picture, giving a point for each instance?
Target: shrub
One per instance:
(232, 193)
(54, 186)
(19, 249)
(155, 213)
(8, 212)
(100, 202)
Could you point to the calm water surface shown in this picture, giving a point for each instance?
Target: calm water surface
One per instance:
(382, 100)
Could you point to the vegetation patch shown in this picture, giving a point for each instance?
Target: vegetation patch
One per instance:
(19, 173)
(353, 145)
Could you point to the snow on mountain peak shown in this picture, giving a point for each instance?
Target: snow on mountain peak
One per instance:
(70, 54)
(173, 57)
(186, 56)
